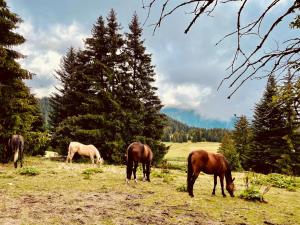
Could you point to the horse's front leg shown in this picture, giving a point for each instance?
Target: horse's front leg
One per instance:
(222, 185)
(134, 171)
(215, 184)
(144, 171)
(92, 159)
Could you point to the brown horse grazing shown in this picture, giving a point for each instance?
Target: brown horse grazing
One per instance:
(209, 163)
(138, 152)
(83, 150)
(16, 144)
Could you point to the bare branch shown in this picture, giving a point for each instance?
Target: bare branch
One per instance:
(247, 63)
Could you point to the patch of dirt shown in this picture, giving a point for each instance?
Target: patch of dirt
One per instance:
(92, 208)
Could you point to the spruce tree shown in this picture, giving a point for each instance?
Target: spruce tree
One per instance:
(287, 100)
(19, 112)
(242, 139)
(109, 109)
(143, 98)
(61, 102)
(268, 143)
(227, 148)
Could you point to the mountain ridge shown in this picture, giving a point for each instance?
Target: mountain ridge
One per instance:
(192, 119)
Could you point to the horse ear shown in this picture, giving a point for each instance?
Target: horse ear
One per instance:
(233, 179)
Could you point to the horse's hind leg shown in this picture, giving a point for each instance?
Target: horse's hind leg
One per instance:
(129, 170)
(222, 185)
(148, 171)
(215, 184)
(144, 171)
(134, 171)
(71, 157)
(192, 182)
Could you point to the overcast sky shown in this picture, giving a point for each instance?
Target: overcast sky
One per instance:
(189, 67)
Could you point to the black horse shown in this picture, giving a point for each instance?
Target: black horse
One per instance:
(138, 152)
(16, 144)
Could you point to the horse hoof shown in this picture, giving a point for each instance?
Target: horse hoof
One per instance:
(135, 180)
(192, 195)
(224, 196)
(127, 181)
(144, 179)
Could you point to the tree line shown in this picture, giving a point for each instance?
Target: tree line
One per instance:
(271, 141)
(176, 131)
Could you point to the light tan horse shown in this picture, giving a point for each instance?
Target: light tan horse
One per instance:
(83, 150)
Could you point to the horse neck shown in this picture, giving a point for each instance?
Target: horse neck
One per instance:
(228, 176)
(97, 154)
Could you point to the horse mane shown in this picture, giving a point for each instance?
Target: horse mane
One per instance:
(97, 153)
(228, 176)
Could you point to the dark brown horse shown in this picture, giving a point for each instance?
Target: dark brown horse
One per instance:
(209, 163)
(16, 145)
(138, 152)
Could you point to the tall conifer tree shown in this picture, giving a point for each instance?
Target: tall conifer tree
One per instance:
(19, 112)
(268, 143)
(242, 139)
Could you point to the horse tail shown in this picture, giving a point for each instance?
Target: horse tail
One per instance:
(189, 172)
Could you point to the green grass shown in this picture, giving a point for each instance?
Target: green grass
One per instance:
(178, 152)
(60, 194)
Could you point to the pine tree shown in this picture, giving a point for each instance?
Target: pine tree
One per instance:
(143, 99)
(97, 103)
(268, 143)
(227, 148)
(287, 100)
(61, 102)
(19, 112)
(242, 139)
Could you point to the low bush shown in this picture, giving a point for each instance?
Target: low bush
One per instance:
(90, 171)
(29, 171)
(251, 194)
(275, 180)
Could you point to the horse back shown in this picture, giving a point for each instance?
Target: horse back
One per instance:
(139, 152)
(148, 155)
(209, 163)
(17, 142)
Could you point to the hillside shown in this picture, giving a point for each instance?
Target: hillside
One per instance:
(194, 120)
(177, 131)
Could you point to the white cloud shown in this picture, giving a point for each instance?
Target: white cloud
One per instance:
(185, 96)
(44, 49)
(42, 91)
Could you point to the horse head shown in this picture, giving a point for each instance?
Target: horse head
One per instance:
(230, 188)
(100, 160)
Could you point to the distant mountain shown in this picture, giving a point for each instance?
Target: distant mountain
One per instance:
(194, 120)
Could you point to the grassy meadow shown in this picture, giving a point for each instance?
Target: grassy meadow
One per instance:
(49, 192)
